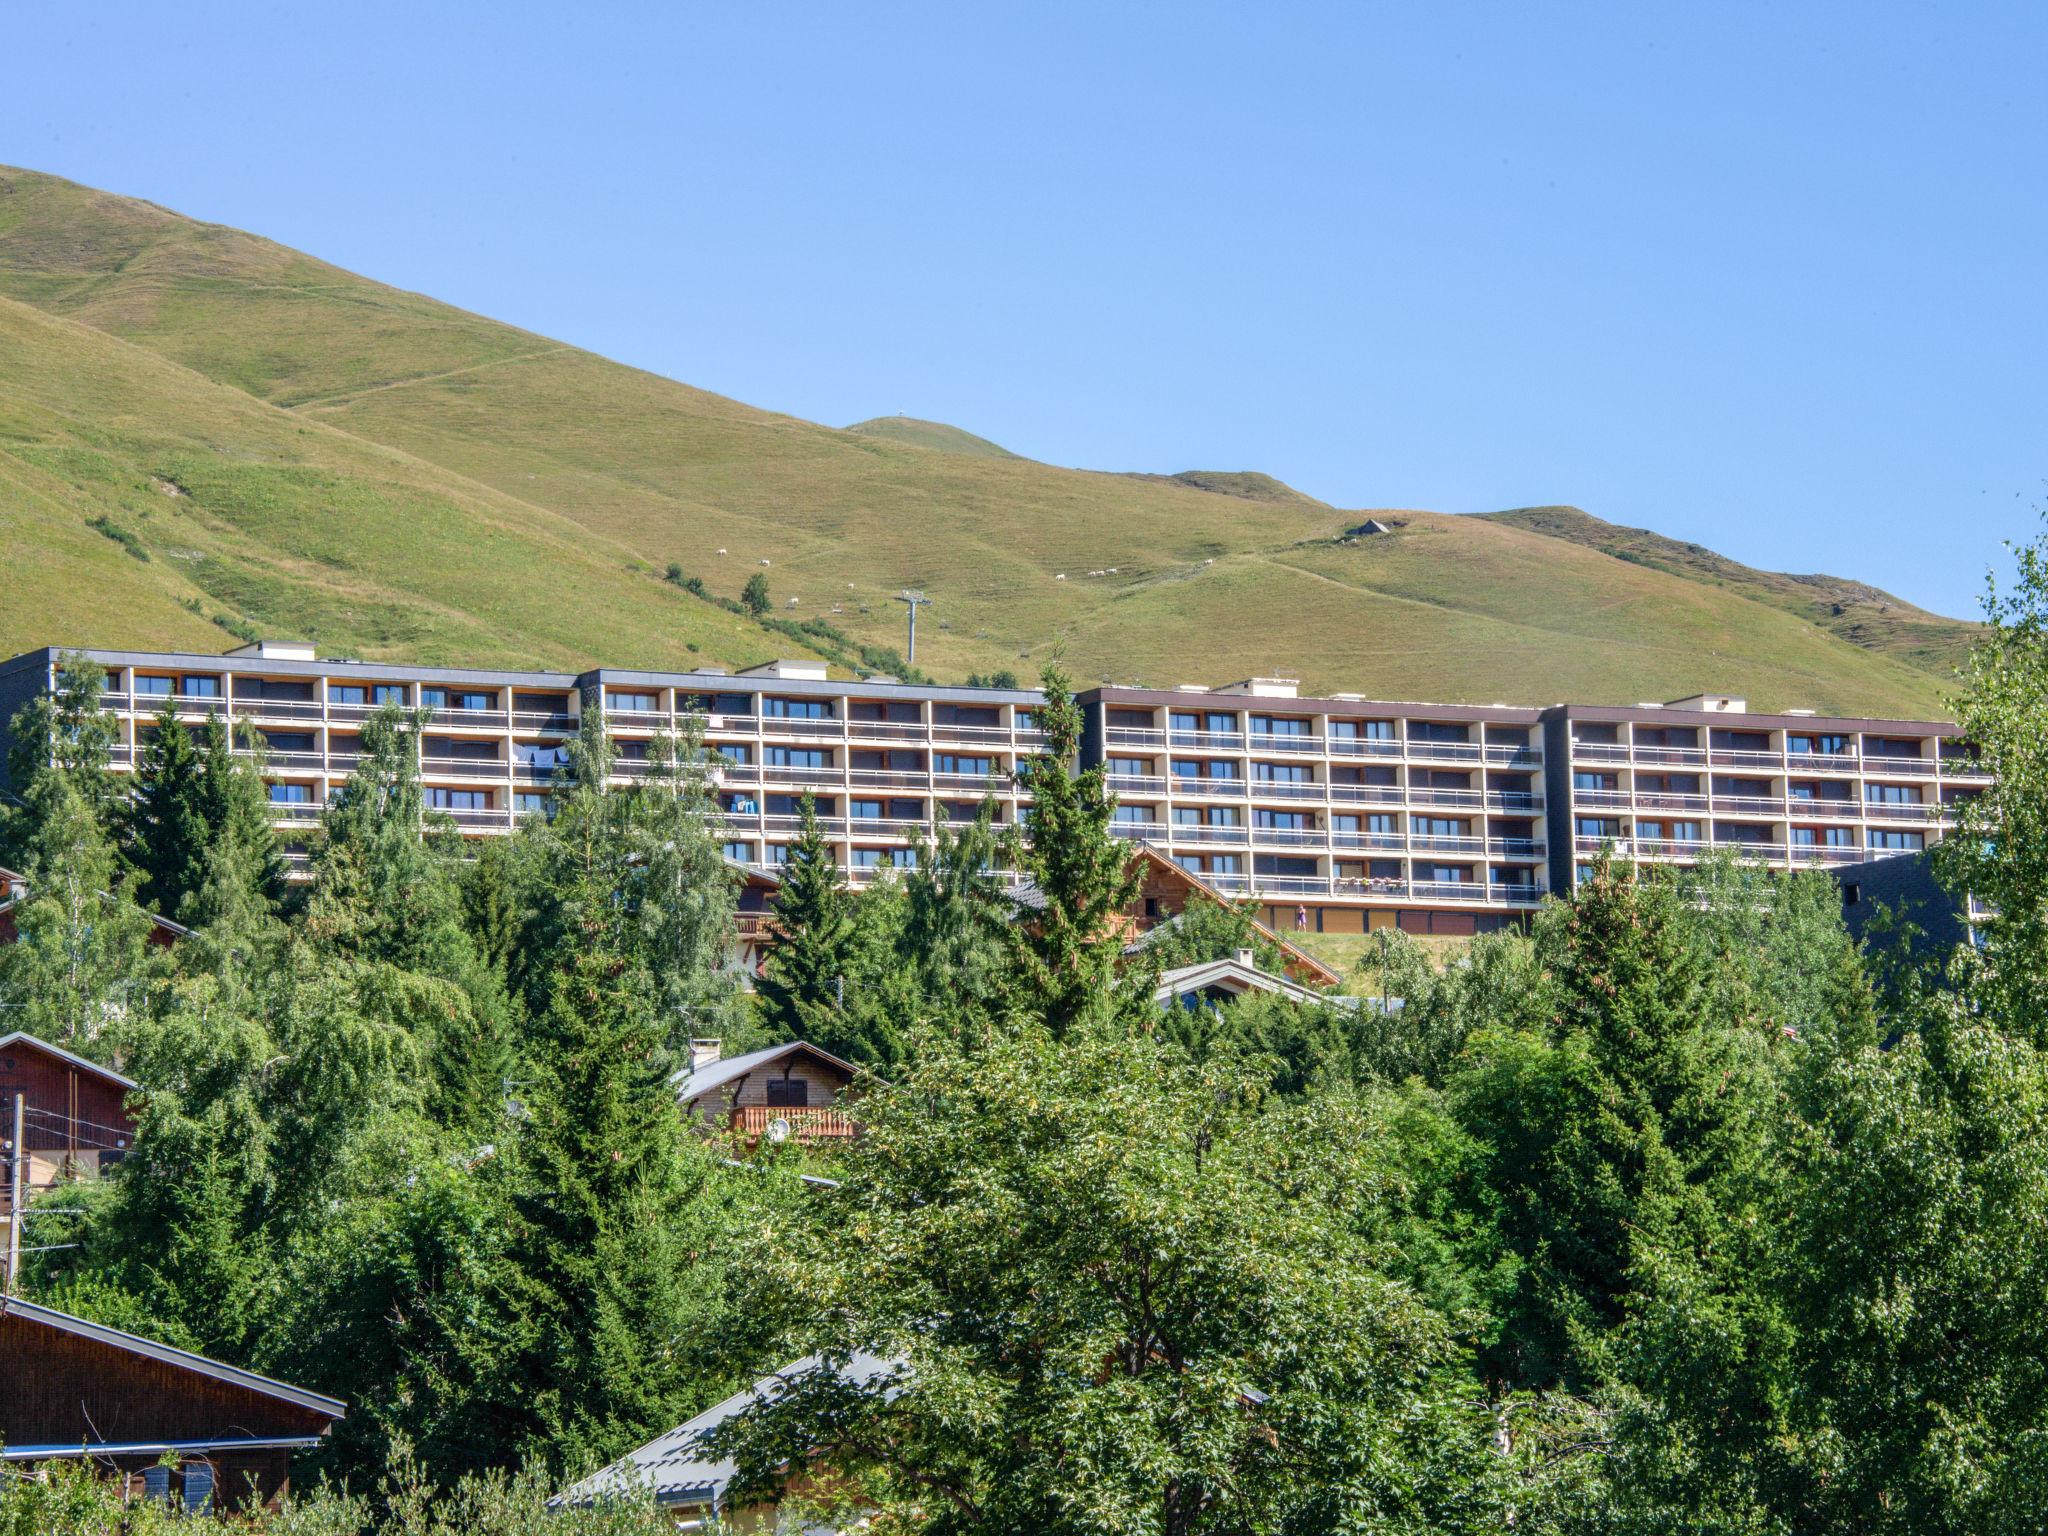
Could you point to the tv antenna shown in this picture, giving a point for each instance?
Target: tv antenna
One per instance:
(913, 601)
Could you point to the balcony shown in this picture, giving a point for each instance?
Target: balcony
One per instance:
(1149, 784)
(1425, 843)
(1879, 810)
(1876, 765)
(1134, 736)
(1722, 757)
(1262, 741)
(1513, 757)
(890, 730)
(1206, 741)
(1694, 804)
(783, 773)
(544, 724)
(1822, 762)
(1446, 751)
(823, 728)
(1229, 836)
(1368, 794)
(1814, 853)
(299, 710)
(1670, 757)
(1824, 810)
(1601, 799)
(753, 1121)
(1184, 786)
(1286, 789)
(1363, 746)
(468, 719)
(1599, 752)
(1291, 837)
(862, 778)
(464, 767)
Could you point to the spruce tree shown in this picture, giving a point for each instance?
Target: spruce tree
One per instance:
(64, 732)
(1068, 949)
(166, 824)
(237, 807)
(608, 1302)
(804, 979)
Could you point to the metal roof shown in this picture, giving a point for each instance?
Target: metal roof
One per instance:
(677, 1470)
(22, 1037)
(185, 1360)
(1235, 975)
(693, 1083)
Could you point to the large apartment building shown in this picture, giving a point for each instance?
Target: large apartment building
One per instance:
(1338, 814)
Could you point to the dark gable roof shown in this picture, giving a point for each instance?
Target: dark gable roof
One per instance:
(165, 1354)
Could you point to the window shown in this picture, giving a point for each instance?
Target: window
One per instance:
(978, 767)
(291, 794)
(1342, 730)
(865, 810)
(796, 757)
(459, 799)
(1804, 837)
(1184, 769)
(1891, 794)
(1183, 816)
(1223, 816)
(1449, 874)
(387, 693)
(197, 686)
(1181, 723)
(1133, 816)
(1340, 822)
(1830, 746)
(1581, 780)
(526, 803)
(742, 853)
(1286, 821)
(632, 703)
(153, 687)
(1838, 837)
(347, 693)
(788, 1093)
(1280, 773)
(867, 858)
(1026, 720)
(778, 853)
(1685, 832)
(1594, 826)
(1376, 730)
(1270, 725)
(1897, 841)
(1381, 824)
(903, 858)
(1226, 864)
(1136, 766)
(796, 709)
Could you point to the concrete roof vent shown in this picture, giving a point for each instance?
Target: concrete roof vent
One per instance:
(1712, 704)
(1265, 687)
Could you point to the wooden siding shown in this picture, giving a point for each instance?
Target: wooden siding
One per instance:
(61, 1389)
(90, 1111)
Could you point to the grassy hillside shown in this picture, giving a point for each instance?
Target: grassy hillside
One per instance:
(590, 477)
(935, 435)
(1861, 614)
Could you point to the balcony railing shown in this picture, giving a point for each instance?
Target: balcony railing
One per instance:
(803, 1124)
(1204, 741)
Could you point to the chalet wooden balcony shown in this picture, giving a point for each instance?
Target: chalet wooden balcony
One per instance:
(826, 1123)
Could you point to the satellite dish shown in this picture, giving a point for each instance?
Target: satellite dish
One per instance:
(778, 1129)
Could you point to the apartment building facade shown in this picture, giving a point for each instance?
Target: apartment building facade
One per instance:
(1337, 814)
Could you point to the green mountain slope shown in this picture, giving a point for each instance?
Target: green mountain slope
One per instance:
(935, 435)
(1861, 614)
(589, 477)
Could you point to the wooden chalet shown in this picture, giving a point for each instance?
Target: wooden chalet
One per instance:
(72, 1390)
(793, 1090)
(75, 1116)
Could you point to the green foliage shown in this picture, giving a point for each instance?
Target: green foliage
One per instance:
(1068, 950)
(1113, 1302)
(755, 595)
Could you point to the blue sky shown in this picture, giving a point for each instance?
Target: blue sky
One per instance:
(1765, 277)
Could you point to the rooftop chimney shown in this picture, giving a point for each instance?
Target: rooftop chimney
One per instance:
(278, 650)
(705, 1051)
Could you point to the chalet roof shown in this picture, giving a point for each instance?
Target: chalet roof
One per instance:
(692, 1083)
(677, 1470)
(184, 1360)
(22, 1037)
(1233, 975)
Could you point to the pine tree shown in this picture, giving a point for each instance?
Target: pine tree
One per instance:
(1068, 951)
(755, 595)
